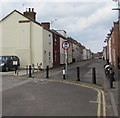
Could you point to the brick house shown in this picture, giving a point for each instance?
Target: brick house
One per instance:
(113, 46)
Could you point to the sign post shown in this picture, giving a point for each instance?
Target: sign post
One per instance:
(66, 46)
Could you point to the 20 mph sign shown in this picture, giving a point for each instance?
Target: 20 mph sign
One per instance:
(65, 45)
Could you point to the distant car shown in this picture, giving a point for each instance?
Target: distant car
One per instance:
(9, 63)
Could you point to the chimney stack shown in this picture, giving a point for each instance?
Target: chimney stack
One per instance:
(46, 25)
(30, 13)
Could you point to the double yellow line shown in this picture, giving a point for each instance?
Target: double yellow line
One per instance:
(101, 103)
(100, 96)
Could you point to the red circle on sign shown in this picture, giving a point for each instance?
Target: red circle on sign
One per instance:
(65, 45)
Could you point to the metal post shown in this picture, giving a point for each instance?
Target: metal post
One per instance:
(47, 72)
(15, 70)
(30, 74)
(78, 74)
(66, 68)
(26, 69)
(33, 68)
(111, 82)
(111, 76)
(93, 76)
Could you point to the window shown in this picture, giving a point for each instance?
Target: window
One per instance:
(49, 56)
(49, 39)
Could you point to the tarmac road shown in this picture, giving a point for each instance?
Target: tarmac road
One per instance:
(12, 85)
(49, 98)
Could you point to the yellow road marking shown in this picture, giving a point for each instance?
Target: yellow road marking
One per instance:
(104, 104)
(96, 88)
(99, 104)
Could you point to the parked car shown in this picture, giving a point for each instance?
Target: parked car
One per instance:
(9, 63)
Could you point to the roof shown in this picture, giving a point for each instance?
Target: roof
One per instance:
(55, 32)
(27, 18)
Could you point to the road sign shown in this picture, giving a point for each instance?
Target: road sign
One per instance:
(65, 45)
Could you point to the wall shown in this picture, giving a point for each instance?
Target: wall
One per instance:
(70, 53)
(15, 33)
(84, 54)
(62, 51)
(36, 44)
(56, 50)
(47, 49)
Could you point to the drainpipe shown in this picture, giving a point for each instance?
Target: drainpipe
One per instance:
(30, 43)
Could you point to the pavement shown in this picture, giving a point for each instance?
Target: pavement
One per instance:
(111, 94)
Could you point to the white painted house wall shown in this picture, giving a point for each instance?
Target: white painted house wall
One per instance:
(27, 40)
(84, 54)
(110, 51)
(70, 53)
(62, 51)
(15, 37)
(47, 49)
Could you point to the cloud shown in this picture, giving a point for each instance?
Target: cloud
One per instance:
(87, 21)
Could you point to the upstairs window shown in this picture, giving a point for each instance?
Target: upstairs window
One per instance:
(49, 39)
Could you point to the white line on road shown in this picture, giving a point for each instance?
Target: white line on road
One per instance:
(15, 85)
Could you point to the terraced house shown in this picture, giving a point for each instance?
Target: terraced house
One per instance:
(36, 43)
(112, 50)
(24, 37)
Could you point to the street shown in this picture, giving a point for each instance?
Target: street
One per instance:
(43, 98)
(38, 96)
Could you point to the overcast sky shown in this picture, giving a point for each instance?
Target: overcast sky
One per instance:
(87, 21)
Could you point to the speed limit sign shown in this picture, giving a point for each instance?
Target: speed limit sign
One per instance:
(65, 45)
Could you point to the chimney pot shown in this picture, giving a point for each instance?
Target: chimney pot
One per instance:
(46, 25)
(29, 9)
(30, 13)
(32, 9)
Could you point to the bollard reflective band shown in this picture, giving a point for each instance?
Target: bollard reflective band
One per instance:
(63, 72)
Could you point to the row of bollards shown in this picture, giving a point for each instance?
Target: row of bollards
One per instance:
(30, 71)
(78, 74)
(93, 75)
(110, 74)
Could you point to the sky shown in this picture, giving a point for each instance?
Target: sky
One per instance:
(87, 21)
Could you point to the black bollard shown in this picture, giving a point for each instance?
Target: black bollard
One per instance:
(16, 70)
(78, 73)
(64, 72)
(47, 72)
(111, 77)
(30, 71)
(93, 76)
